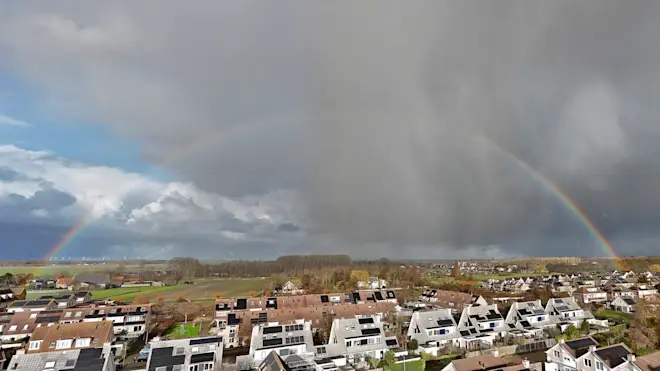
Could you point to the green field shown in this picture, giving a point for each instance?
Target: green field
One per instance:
(410, 366)
(189, 331)
(613, 316)
(51, 270)
(201, 290)
(502, 276)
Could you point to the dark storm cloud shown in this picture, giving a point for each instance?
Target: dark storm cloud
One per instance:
(386, 116)
(8, 175)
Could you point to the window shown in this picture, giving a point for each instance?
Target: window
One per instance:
(25, 327)
(51, 344)
(208, 366)
(64, 344)
(540, 319)
(163, 368)
(587, 362)
(13, 328)
(194, 349)
(556, 353)
(194, 368)
(78, 314)
(492, 325)
(50, 364)
(600, 366)
(33, 315)
(35, 345)
(84, 342)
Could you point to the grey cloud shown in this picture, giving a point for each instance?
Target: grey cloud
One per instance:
(51, 201)
(8, 175)
(288, 227)
(377, 115)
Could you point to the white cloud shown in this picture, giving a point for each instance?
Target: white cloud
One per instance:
(6, 120)
(145, 215)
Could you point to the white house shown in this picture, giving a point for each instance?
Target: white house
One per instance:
(373, 283)
(284, 339)
(480, 326)
(528, 319)
(625, 304)
(433, 330)
(358, 339)
(566, 312)
(590, 294)
(585, 355)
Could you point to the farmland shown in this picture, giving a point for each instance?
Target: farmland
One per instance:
(51, 270)
(205, 289)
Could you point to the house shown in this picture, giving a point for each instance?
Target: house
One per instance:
(357, 339)
(454, 300)
(485, 362)
(129, 322)
(433, 330)
(645, 292)
(93, 281)
(289, 288)
(7, 297)
(625, 304)
(197, 354)
(373, 283)
(83, 297)
(284, 340)
(62, 301)
(63, 283)
(32, 305)
(528, 319)
(565, 354)
(585, 355)
(71, 336)
(566, 312)
(590, 294)
(480, 326)
(88, 359)
(16, 327)
(649, 362)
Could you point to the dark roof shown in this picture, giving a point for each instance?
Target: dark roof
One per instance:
(273, 362)
(162, 357)
(209, 340)
(614, 355)
(629, 301)
(90, 359)
(202, 357)
(93, 278)
(578, 347)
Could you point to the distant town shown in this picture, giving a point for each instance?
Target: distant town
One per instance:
(329, 312)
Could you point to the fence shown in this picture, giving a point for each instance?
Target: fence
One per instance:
(515, 349)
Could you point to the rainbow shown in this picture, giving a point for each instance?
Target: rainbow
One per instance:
(75, 230)
(571, 205)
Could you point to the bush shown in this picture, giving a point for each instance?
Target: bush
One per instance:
(141, 299)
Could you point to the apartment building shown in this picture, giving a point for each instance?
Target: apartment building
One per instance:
(32, 305)
(87, 359)
(198, 354)
(318, 309)
(433, 330)
(7, 297)
(71, 336)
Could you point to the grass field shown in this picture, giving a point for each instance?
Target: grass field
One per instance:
(205, 289)
(502, 276)
(189, 331)
(51, 270)
(613, 316)
(410, 366)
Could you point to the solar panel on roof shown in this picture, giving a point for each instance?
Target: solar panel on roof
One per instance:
(465, 333)
(210, 340)
(203, 357)
(445, 322)
(364, 321)
(539, 311)
(581, 343)
(271, 342)
(390, 342)
(370, 331)
(272, 330)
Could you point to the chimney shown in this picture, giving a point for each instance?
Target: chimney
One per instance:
(526, 363)
(561, 340)
(592, 348)
(631, 357)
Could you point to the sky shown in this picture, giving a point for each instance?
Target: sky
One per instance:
(254, 129)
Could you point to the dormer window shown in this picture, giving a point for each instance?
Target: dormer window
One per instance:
(84, 342)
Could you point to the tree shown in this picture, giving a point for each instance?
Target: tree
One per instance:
(642, 279)
(267, 293)
(540, 268)
(584, 327)
(425, 357)
(218, 294)
(245, 331)
(413, 345)
(160, 299)
(360, 275)
(141, 299)
(118, 299)
(456, 271)
(373, 362)
(181, 299)
(253, 293)
(571, 332)
(654, 268)
(389, 358)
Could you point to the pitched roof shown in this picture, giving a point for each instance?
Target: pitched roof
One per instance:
(93, 278)
(580, 346)
(99, 332)
(614, 355)
(649, 362)
(479, 363)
